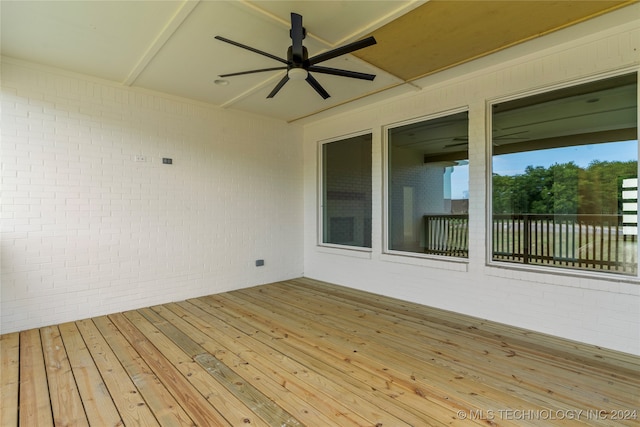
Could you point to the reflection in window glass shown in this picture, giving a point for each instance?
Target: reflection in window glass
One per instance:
(428, 188)
(346, 192)
(565, 178)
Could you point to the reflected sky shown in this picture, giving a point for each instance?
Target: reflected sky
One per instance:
(581, 155)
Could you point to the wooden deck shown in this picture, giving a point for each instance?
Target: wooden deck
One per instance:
(303, 352)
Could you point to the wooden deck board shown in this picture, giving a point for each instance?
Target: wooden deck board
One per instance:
(524, 365)
(9, 378)
(228, 378)
(405, 373)
(550, 347)
(341, 350)
(35, 405)
(97, 402)
(248, 360)
(66, 405)
(159, 400)
(315, 368)
(126, 395)
(303, 352)
(176, 372)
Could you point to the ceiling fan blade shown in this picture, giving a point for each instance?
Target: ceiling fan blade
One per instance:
(252, 49)
(276, 89)
(459, 144)
(297, 34)
(252, 71)
(508, 135)
(316, 85)
(343, 73)
(351, 47)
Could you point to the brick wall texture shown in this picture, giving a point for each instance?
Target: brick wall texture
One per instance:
(88, 228)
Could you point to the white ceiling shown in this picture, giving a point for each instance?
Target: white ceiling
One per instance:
(168, 45)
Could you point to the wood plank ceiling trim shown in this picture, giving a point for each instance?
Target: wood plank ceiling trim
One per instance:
(441, 34)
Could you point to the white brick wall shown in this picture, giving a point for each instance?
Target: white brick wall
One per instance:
(603, 310)
(86, 230)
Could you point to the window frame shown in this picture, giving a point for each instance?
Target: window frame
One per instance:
(386, 251)
(548, 269)
(320, 196)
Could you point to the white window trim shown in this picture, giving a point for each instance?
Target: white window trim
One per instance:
(332, 247)
(395, 255)
(542, 269)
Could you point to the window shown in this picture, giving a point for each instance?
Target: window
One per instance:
(565, 177)
(428, 186)
(346, 192)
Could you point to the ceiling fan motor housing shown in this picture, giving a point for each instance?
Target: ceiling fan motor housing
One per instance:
(298, 63)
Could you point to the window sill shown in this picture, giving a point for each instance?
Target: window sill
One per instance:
(554, 275)
(352, 251)
(444, 263)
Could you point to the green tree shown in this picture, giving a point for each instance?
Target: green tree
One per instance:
(602, 183)
(563, 188)
(503, 194)
(563, 196)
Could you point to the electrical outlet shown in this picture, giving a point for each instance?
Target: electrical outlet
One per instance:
(259, 262)
(167, 161)
(140, 158)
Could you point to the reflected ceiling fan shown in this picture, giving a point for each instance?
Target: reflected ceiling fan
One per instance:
(298, 64)
(508, 136)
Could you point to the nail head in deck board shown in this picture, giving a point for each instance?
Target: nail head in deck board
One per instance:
(159, 400)
(35, 406)
(132, 408)
(9, 378)
(66, 405)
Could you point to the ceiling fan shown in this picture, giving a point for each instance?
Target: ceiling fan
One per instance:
(298, 64)
(465, 139)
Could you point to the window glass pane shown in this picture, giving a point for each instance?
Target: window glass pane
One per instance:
(346, 198)
(429, 186)
(565, 169)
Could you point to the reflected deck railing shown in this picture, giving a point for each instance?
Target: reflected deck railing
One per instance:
(447, 234)
(593, 242)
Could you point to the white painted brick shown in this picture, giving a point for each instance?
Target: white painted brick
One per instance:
(93, 232)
